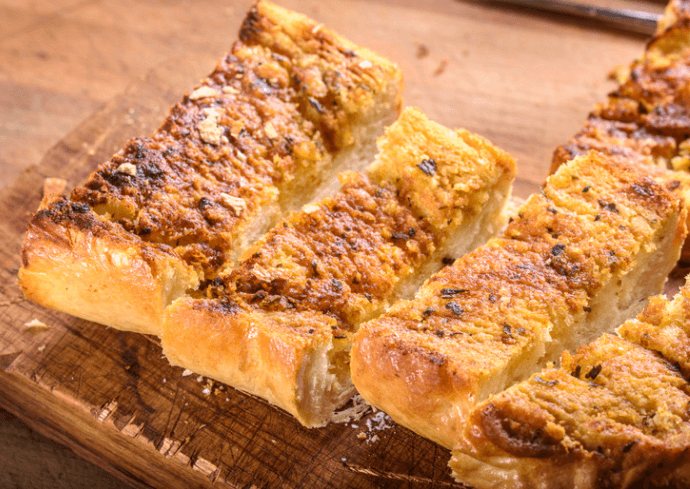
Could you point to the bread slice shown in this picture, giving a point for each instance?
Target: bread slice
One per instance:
(287, 108)
(613, 414)
(280, 324)
(580, 256)
(646, 118)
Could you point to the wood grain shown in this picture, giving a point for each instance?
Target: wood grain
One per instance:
(525, 81)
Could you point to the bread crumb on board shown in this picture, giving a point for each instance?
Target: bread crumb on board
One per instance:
(422, 51)
(441, 67)
(54, 186)
(376, 423)
(35, 324)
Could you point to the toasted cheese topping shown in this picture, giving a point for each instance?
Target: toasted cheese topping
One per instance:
(345, 255)
(335, 77)
(618, 410)
(436, 191)
(342, 258)
(611, 401)
(282, 102)
(647, 118)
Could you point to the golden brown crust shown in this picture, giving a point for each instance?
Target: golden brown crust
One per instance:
(612, 414)
(76, 262)
(342, 259)
(265, 354)
(664, 327)
(646, 118)
(289, 99)
(475, 324)
(463, 181)
(338, 83)
(619, 138)
(279, 103)
(342, 256)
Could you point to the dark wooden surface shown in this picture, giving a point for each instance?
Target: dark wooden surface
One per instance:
(77, 78)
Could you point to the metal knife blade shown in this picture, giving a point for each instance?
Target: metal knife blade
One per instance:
(637, 21)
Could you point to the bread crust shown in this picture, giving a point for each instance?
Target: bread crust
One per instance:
(340, 259)
(488, 319)
(280, 112)
(78, 263)
(645, 118)
(613, 414)
(269, 355)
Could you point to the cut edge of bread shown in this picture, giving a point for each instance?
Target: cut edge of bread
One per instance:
(269, 355)
(134, 299)
(425, 395)
(75, 262)
(305, 369)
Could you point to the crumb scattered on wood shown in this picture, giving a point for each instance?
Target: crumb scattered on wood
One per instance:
(36, 324)
(187, 373)
(41, 348)
(422, 51)
(377, 423)
(441, 67)
(54, 186)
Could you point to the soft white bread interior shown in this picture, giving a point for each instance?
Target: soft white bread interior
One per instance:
(611, 415)
(287, 108)
(577, 259)
(280, 324)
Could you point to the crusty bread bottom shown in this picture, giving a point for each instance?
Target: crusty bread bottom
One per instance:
(271, 355)
(86, 267)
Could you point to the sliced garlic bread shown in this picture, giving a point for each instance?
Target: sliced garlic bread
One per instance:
(614, 414)
(579, 258)
(287, 108)
(280, 324)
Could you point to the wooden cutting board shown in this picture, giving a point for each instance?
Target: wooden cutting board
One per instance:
(525, 82)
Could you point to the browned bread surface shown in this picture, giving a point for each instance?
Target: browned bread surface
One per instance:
(287, 105)
(647, 118)
(80, 263)
(612, 414)
(322, 271)
(664, 327)
(578, 257)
